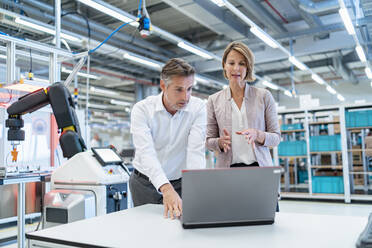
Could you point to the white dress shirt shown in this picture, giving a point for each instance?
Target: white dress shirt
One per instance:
(241, 150)
(166, 144)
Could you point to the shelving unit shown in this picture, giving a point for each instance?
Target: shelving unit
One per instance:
(358, 126)
(292, 152)
(332, 170)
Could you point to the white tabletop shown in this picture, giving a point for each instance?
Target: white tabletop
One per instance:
(145, 227)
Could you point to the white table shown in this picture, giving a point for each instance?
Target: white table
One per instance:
(145, 227)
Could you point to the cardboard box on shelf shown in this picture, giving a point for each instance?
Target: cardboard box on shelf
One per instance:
(336, 127)
(325, 159)
(327, 173)
(358, 180)
(368, 142)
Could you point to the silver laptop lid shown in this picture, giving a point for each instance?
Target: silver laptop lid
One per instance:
(233, 196)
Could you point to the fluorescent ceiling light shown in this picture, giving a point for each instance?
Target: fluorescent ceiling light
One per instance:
(341, 98)
(122, 103)
(270, 85)
(109, 11)
(103, 91)
(368, 72)
(361, 101)
(45, 29)
(317, 79)
(141, 60)
(225, 86)
(297, 63)
(99, 106)
(347, 21)
(360, 53)
(3, 56)
(264, 37)
(81, 74)
(219, 3)
(193, 50)
(288, 93)
(331, 90)
(201, 79)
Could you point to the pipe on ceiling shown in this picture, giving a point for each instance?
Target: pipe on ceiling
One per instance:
(276, 11)
(94, 26)
(259, 12)
(81, 29)
(343, 70)
(319, 7)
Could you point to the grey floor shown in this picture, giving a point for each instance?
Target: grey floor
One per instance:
(309, 207)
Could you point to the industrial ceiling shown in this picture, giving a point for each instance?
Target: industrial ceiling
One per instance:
(312, 31)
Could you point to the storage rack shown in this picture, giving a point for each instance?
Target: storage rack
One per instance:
(337, 177)
(358, 125)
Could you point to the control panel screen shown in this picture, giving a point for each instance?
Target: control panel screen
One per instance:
(106, 156)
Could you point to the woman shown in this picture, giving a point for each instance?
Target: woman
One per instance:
(242, 119)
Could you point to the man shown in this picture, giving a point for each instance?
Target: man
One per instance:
(168, 135)
(96, 141)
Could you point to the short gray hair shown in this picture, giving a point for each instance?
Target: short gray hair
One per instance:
(176, 67)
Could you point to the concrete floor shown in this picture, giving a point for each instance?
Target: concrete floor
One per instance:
(310, 207)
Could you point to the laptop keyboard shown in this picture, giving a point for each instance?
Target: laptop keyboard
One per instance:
(365, 238)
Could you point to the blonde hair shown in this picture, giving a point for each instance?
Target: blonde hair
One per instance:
(248, 57)
(176, 67)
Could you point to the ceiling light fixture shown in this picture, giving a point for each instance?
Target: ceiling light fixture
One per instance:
(297, 63)
(141, 60)
(340, 97)
(368, 72)
(219, 3)
(288, 93)
(317, 79)
(103, 91)
(360, 53)
(99, 106)
(263, 36)
(109, 11)
(331, 90)
(201, 79)
(122, 103)
(81, 74)
(270, 85)
(45, 29)
(347, 21)
(194, 50)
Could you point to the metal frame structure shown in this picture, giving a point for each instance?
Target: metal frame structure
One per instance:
(348, 183)
(56, 55)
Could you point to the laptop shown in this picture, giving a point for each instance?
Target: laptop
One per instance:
(229, 197)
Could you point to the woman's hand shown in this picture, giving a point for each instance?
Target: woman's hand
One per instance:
(252, 135)
(224, 142)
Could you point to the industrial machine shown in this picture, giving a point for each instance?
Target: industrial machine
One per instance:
(90, 183)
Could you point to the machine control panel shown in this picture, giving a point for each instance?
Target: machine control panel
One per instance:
(113, 169)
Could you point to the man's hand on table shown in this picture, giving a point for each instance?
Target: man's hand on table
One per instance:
(172, 201)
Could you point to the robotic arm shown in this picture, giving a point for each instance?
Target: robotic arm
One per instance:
(63, 108)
